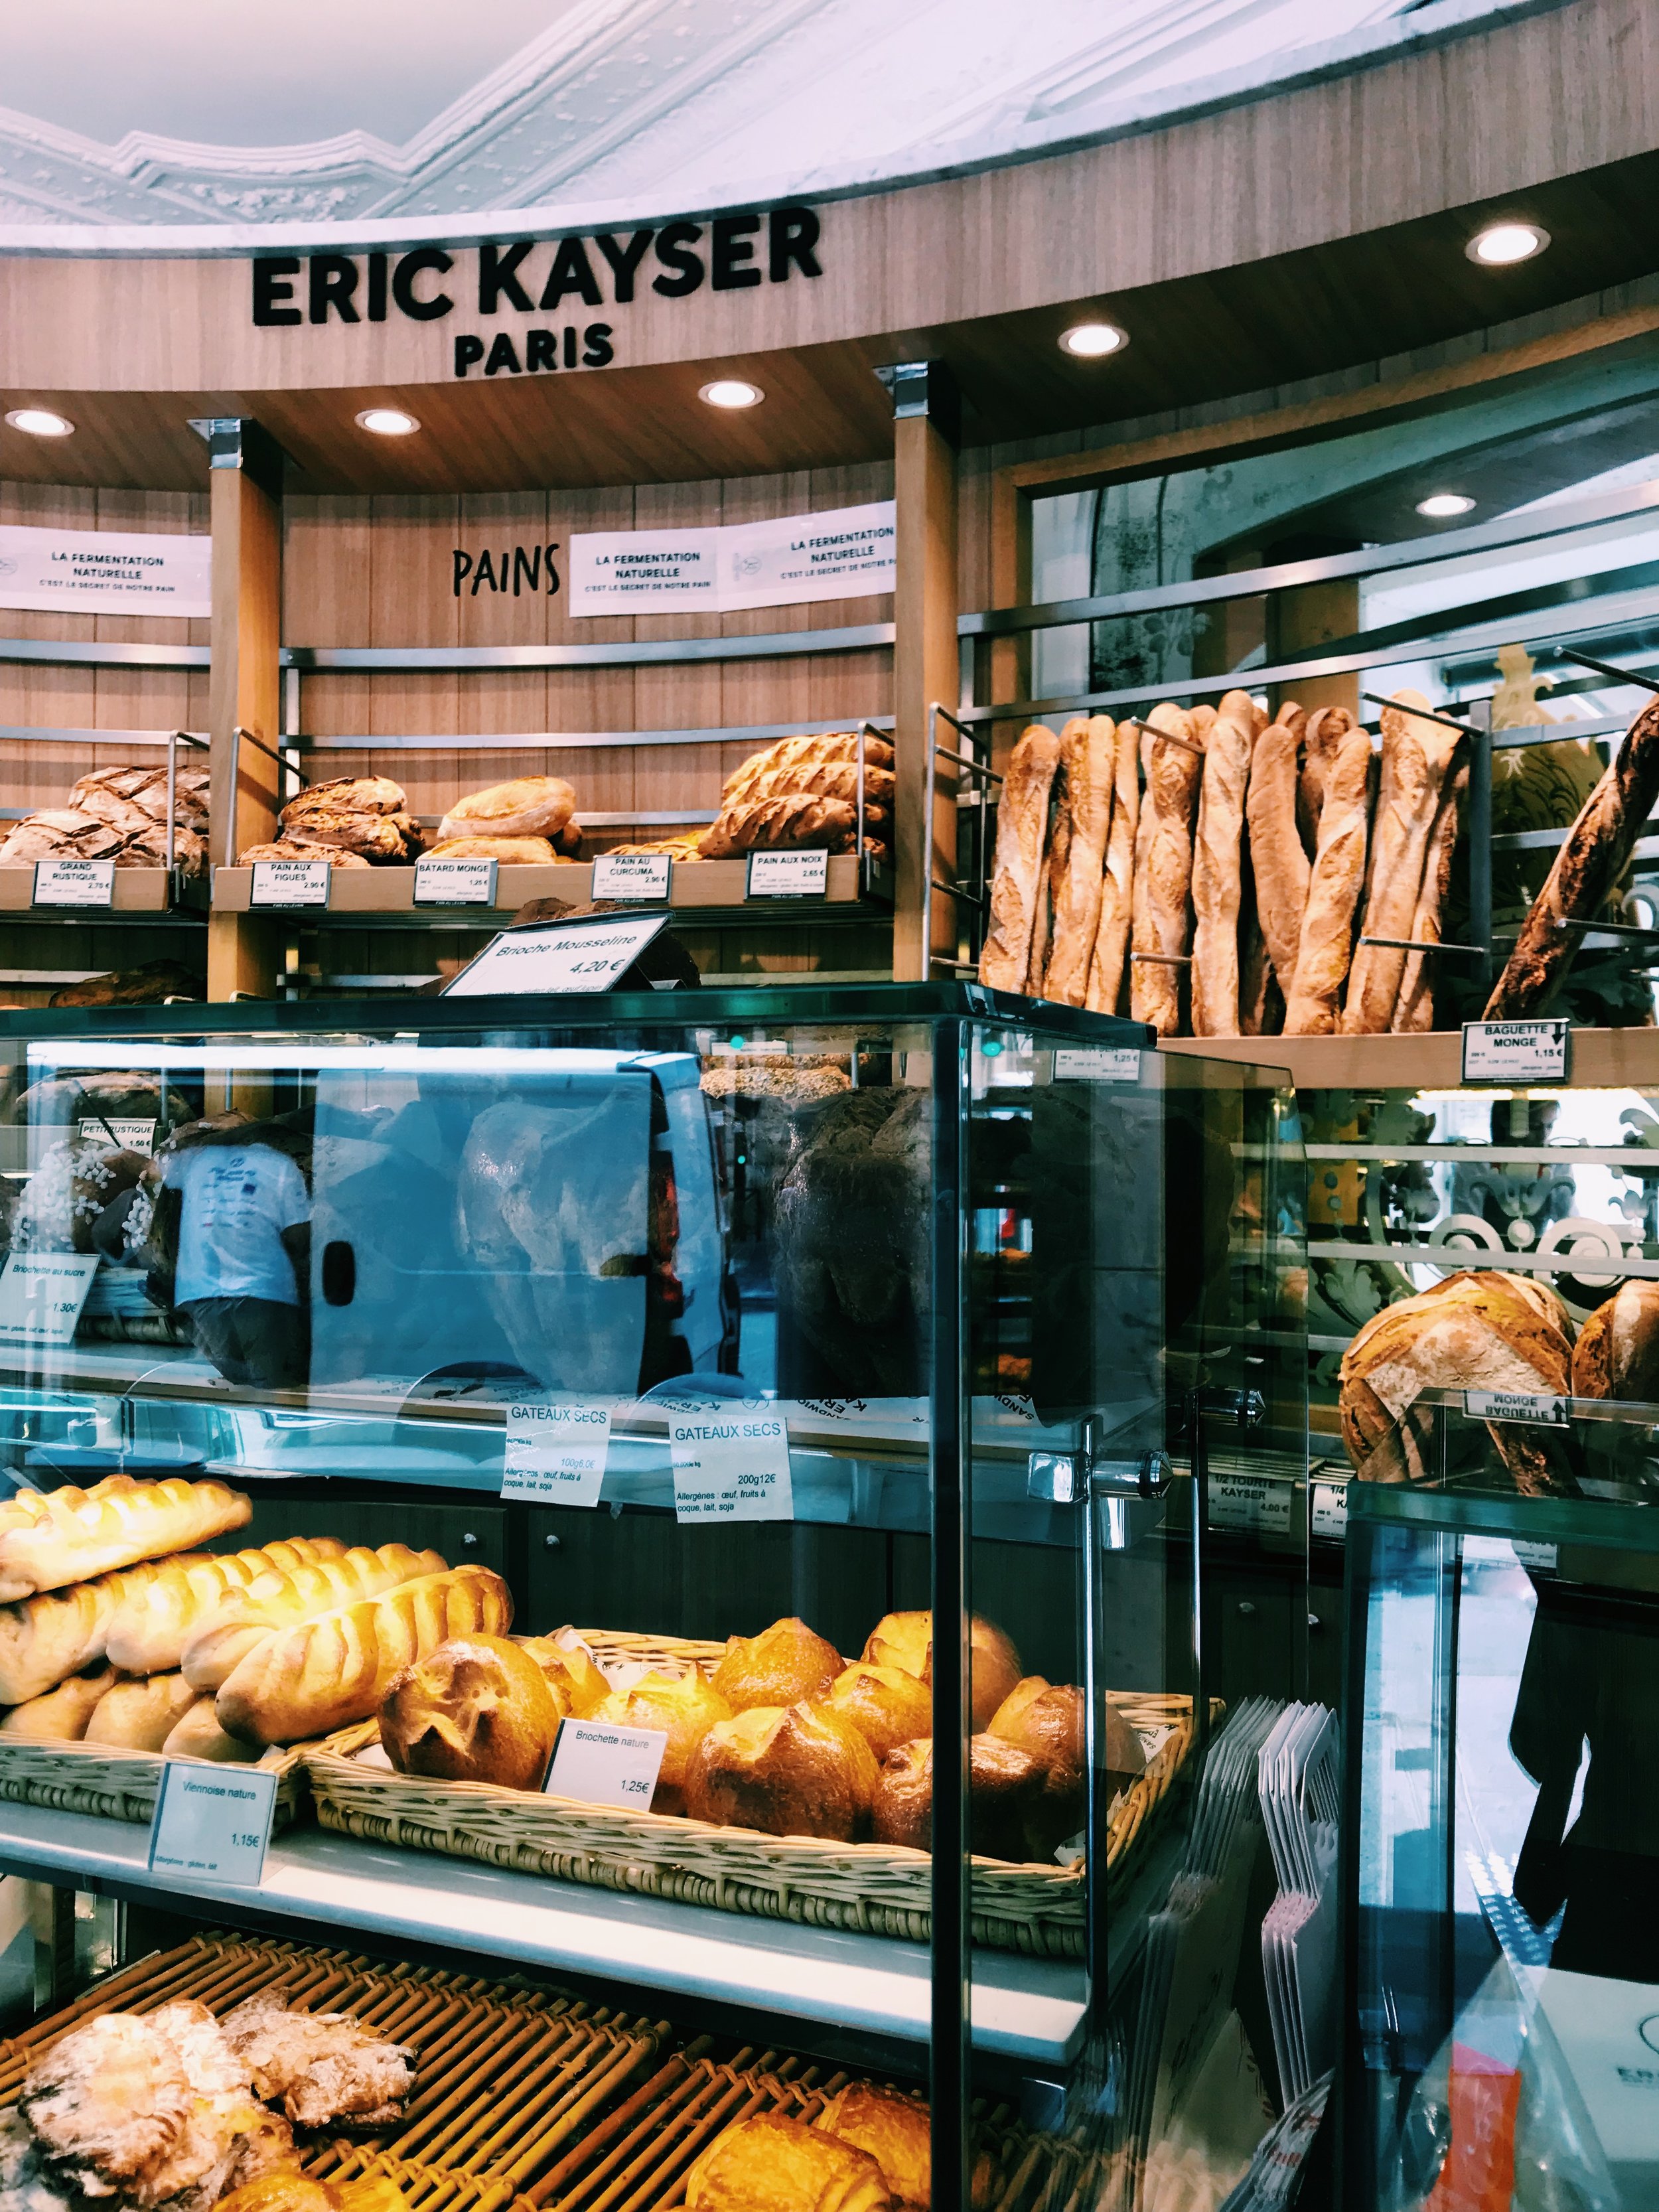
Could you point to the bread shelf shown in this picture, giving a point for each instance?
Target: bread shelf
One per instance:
(1428, 1060)
(708, 888)
(1027, 2010)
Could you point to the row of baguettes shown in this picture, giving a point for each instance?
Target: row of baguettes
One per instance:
(1258, 858)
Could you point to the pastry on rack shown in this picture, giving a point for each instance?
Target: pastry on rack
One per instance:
(684, 1707)
(1004, 1788)
(771, 2163)
(785, 1661)
(795, 1770)
(323, 2068)
(906, 1640)
(895, 2131)
(478, 1709)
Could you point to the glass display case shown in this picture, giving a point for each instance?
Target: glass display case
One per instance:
(890, 1332)
(1501, 1838)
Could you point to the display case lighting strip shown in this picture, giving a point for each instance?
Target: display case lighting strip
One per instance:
(558, 741)
(1589, 1267)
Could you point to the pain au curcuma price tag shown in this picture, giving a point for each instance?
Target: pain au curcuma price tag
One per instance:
(633, 875)
(212, 1822)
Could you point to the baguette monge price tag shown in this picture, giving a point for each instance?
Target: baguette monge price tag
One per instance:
(556, 1449)
(212, 1822)
(1515, 1052)
(74, 883)
(601, 1762)
(1539, 1412)
(731, 1461)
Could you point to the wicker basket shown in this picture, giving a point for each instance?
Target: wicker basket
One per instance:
(117, 1786)
(878, 1889)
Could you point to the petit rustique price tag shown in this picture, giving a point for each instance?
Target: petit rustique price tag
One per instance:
(212, 1822)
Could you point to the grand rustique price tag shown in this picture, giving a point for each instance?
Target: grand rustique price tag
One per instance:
(588, 954)
(212, 1822)
(1515, 1052)
(74, 883)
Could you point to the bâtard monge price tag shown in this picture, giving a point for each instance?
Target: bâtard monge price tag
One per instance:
(556, 1448)
(453, 883)
(602, 1762)
(587, 954)
(730, 1460)
(211, 1822)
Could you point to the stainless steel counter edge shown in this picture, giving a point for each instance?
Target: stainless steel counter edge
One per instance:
(1025, 2008)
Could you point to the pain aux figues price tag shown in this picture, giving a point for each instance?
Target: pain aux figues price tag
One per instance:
(454, 883)
(787, 875)
(556, 1449)
(289, 883)
(633, 875)
(212, 1822)
(730, 1460)
(1515, 1052)
(602, 1762)
(41, 1295)
(74, 883)
(586, 956)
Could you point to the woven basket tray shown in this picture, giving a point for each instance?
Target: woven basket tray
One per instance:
(878, 1889)
(116, 1785)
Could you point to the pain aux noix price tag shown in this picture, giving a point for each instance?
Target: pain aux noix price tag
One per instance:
(787, 875)
(41, 1295)
(454, 883)
(731, 1461)
(602, 1762)
(1540, 1412)
(564, 956)
(1515, 1052)
(212, 1822)
(288, 882)
(633, 875)
(74, 883)
(556, 1449)
(1097, 1063)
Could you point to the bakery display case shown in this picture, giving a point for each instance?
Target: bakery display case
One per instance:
(666, 1370)
(1499, 1839)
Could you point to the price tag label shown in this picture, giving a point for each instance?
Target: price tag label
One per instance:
(556, 1449)
(212, 1822)
(564, 956)
(601, 1764)
(633, 875)
(454, 883)
(1540, 1558)
(1097, 1063)
(289, 883)
(129, 1136)
(74, 883)
(1328, 1512)
(41, 1294)
(787, 875)
(731, 1461)
(1540, 1412)
(1515, 1052)
(1250, 1501)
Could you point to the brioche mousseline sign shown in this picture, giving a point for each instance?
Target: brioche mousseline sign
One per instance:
(536, 298)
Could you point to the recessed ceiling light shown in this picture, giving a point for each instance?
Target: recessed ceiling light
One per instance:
(1440, 504)
(40, 422)
(389, 422)
(1093, 341)
(1503, 244)
(731, 391)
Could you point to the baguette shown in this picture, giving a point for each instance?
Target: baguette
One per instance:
(1339, 870)
(61, 1715)
(1323, 733)
(1088, 754)
(156, 1616)
(1278, 864)
(1163, 867)
(1216, 872)
(1017, 871)
(1414, 1007)
(327, 1673)
(1117, 886)
(1596, 853)
(87, 1533)
(140, 1715)
(1416, 755)
(47, 1637)
(244, 1619)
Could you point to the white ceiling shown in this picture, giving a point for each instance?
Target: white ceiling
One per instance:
(187, 114)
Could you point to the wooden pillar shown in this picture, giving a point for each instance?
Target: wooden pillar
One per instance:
(244, 689)
(925, 413)
(1301, 622)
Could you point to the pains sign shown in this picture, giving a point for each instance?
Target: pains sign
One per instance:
(510, 285)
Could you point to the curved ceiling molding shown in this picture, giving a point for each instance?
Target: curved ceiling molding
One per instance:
(626, 109)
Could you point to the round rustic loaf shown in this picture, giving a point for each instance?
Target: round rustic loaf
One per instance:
(528, 807)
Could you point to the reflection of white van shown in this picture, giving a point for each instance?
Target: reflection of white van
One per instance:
(487, 1210)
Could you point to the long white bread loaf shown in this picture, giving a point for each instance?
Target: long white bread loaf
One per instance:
(87, 1533)
(327, 1673)
(1416, 755)
(140, 1715)
(61, 1715)
(1164, 865)
(1216, 867)
(1278, 864)
(198, 1735)
(1016, 869)
(1089, 759)
(157, 1616)
(1118, 884)
(1414, 1008)
(57, 1633)
(243, 1620)
(1338, 871)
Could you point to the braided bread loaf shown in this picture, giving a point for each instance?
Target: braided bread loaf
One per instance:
(84, 1533)
(243, 1619)
(324, 1673)
(156, 1615)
